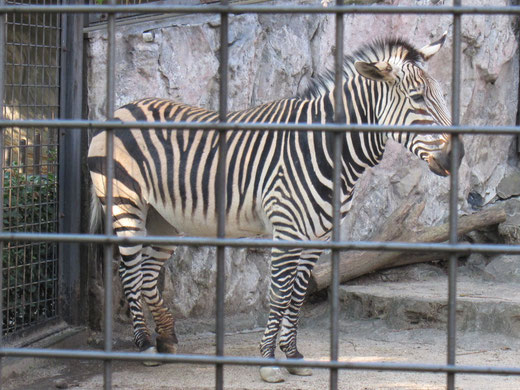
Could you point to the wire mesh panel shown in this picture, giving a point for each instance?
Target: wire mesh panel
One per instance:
(32, 74)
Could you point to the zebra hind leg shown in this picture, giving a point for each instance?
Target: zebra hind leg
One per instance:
(288, 334)
(283, 271)
(154, 258)
(132, 279)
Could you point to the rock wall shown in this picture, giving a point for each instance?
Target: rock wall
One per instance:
(274, 56)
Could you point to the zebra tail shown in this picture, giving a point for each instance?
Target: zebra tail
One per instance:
(96, 213)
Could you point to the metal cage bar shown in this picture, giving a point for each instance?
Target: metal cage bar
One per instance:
(98, 124)
(109, 248)
(460, 248)
(454, 180)
(339, 115)
(73, 301)
(220, 195)
(336, 245)
(277, 9)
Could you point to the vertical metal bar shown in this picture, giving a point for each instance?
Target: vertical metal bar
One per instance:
(220, 194)
(11, 259)
(339, 116)
(108, 249)
(63, 166)
(2, 95)
(69, 169)
(37, 153)
(452, 266)
(23, 154)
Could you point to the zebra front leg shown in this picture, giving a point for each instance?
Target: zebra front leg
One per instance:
(283, 271)
(132, 279)
(288, 334)
(153, 262)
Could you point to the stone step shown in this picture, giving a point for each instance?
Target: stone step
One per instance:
(481, 306)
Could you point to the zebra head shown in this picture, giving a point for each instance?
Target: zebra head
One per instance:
(408, 95)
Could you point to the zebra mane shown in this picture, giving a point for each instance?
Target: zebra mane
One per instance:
(378, 50)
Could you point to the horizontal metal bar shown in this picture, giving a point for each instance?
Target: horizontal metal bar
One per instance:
(251, 361)
(98, 124)
(264, 243)
(259, 9)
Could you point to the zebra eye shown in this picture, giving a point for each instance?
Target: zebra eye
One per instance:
(417, 98)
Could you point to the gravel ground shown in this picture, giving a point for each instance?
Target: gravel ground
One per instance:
(360, 341)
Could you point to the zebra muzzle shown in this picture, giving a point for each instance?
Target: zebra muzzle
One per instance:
(437, 167)
(440, 163)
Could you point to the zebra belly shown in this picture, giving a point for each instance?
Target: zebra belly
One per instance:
(238, 224)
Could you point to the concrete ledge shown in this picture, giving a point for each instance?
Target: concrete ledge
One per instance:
(481, 306)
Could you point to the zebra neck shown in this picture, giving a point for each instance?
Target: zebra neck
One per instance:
(360, 150)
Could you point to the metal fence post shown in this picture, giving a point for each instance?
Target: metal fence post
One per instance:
(454, 180)
(108, 249)
(339, 118)
(220, 193)
(72, 298)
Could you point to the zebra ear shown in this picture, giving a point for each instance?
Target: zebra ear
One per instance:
(378, 71)
(430, 50)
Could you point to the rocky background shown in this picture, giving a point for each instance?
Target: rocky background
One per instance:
(274, 56)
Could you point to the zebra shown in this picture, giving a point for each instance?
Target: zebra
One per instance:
(278, 182)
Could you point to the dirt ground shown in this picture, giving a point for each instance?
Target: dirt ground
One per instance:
(360, 341)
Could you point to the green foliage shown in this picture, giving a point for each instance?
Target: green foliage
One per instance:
(30, 268)
(29, 201)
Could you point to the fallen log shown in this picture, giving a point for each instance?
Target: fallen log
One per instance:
(353, 264)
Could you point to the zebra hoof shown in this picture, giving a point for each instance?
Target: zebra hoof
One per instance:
(151, 363)
(271, 374)
(166, 347)
(300, 371)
